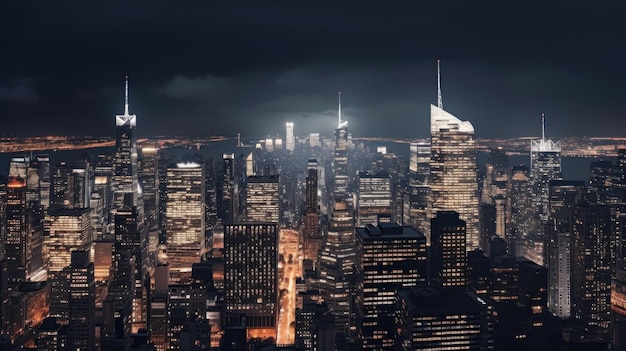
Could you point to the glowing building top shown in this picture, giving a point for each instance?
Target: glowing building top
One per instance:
(126, 119)
(443, 120)
(543, 144)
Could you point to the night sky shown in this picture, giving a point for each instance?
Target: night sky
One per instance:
(222, 67)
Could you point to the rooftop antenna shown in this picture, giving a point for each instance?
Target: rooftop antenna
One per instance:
(339, 113)
(126, 99)
(439, 98)
(543, 127)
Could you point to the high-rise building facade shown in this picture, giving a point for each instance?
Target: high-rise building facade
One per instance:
(132, 236)
(125, 182)
(563, 196)
(81, 328)
(453, 182)
(185, 216)
(312, 234)
(228, 201)
(262, 199)
(389, 256)
(591, 268)
(442, 319)
(66, 230)
(250, 277)
(336, 264)
(545, 165)
(16, 228)
(448, 257)
(415, 210)
(290, 141)
(373, 197)
(341, 174)
(148, 171)
(522, 211)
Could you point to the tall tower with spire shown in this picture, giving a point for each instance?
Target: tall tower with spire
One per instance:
(341, 177)
(125, 182)
(127, 212)
(545, 165)
(453, 181)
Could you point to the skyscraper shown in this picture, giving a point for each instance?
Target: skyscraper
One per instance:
(262, 203)
(312, 232)
(290, 141)
(228, 202)
(522, 211)
(125, 182)
(251, 280)
(591, 269)
(448, 257)
(415, 210)
(67, 230)
(389, 256)
(185, 216)
(453, 182)
(336, 263)
(82, 302)
(563, 196)
(341, 178)
(545, 165)
(149, 165)
(374, 197)
(16, 227)
(132, 236)
(442, 319)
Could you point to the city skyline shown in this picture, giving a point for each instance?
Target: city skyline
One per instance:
(198, 70)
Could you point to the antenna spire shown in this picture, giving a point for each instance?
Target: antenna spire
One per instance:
(126, 98)
(339, 111)
(439, 98)
(543, 127)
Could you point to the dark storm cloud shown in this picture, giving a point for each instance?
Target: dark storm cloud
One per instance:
(18, 94)
(223, 68)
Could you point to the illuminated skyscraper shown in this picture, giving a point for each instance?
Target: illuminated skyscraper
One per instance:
(251, 280)
(185, 216)
(545, 165)
(522, 211)
(228, 201)
(591, 267)
(453, 182)
(132, 236)
(389, 256)
(563, 196)
(374, 197)
(125, 182)
(290, 141)
(312, 232)
(16, 227)
(262, 203)
(442, 319)
(336, 264)
(82, 302)
(67, 230)
(341, 178)
(148, 168)
(448, 257)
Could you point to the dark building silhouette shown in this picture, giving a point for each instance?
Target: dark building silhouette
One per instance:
(389, 256)
(448, 257)
(442, 319)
